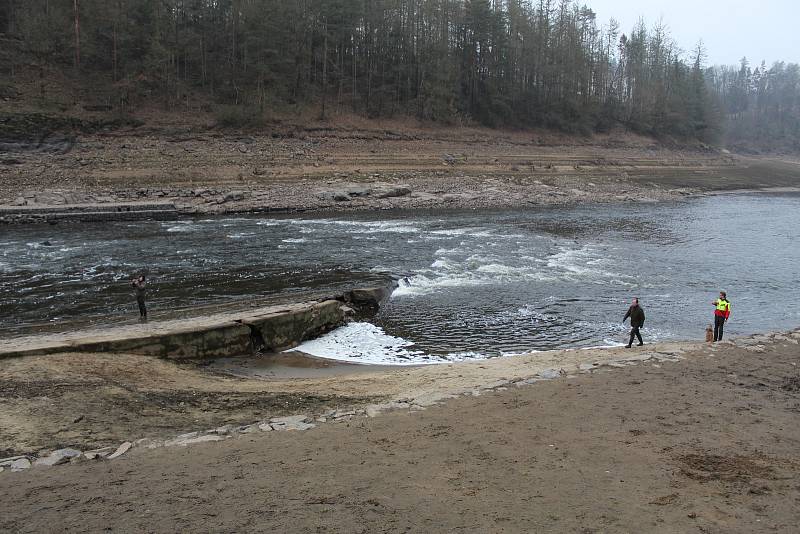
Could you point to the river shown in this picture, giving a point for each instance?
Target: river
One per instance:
(473, 284)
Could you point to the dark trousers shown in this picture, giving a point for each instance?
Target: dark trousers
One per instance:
(142, 308)
(719, 326)
(635, 334)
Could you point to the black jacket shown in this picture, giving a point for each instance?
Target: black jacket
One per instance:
(636, 313)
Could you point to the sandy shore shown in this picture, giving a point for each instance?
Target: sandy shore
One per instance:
(704, 443)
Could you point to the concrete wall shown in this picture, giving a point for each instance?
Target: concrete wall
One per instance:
(280, 331)
(269, 329)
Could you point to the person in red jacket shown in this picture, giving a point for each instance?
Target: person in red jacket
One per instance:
(722, 312)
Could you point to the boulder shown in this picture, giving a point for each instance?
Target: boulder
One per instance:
(49, 198)
(233, 196)
(122, 449)
(20, 465)
(549, 374)
(292, 422)
(394, 192)
(358, 191)
(58, 457)
(6, 462)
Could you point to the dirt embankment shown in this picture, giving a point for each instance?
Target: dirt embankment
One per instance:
(321, 167)
(708, 444)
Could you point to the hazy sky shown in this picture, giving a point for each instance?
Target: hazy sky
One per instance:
(759, 29)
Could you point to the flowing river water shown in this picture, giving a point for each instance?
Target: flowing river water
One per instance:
(472, 284)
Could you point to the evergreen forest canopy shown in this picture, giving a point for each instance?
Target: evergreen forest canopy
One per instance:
(501, 63)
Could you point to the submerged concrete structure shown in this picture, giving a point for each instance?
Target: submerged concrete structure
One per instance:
(268, 329)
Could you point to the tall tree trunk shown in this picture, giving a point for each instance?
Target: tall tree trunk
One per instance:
(355, 77)
(77, 35)
(325, 71)
(114, 51)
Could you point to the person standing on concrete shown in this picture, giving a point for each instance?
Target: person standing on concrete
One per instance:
(636, 313)
(722, 312)
(138, 285)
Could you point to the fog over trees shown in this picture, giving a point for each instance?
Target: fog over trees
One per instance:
(500, 63)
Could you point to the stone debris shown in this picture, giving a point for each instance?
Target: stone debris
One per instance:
(292, 422)
(61, 456)
(148, 443)
(265, 427)
(122, 449)
(96, 454)
(373, 410)
(6, 462)
(638, 357)
(340, 414)
(550, 374)
(20, 464)
(495, 385)
(186, 441)
(430, 399)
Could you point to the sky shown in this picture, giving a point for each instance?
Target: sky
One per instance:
(730, 29)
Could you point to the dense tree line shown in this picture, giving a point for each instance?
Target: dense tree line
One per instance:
(517, 63)
(762, 105)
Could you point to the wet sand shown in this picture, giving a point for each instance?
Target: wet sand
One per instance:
(706, 444)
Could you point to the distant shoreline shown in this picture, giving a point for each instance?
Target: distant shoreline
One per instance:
(351, 171)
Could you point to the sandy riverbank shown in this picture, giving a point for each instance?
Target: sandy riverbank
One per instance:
(707, 442)
(351, 168)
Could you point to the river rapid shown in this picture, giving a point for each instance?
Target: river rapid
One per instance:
(473, 284)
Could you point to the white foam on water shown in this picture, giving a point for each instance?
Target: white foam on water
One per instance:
(365, 343)
(449, 271)
(181, 228)
(423, 285)
(352, 227)
(451, 232)
(586, 264)
(298, 240)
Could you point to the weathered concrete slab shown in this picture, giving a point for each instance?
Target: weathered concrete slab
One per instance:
(288, 328)
(189, 341)
(272, 328)
(215, 336)
(129, 211)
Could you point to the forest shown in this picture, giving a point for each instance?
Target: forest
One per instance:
(499, 63)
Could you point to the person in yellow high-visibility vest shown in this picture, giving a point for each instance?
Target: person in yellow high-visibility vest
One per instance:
(722, 311)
